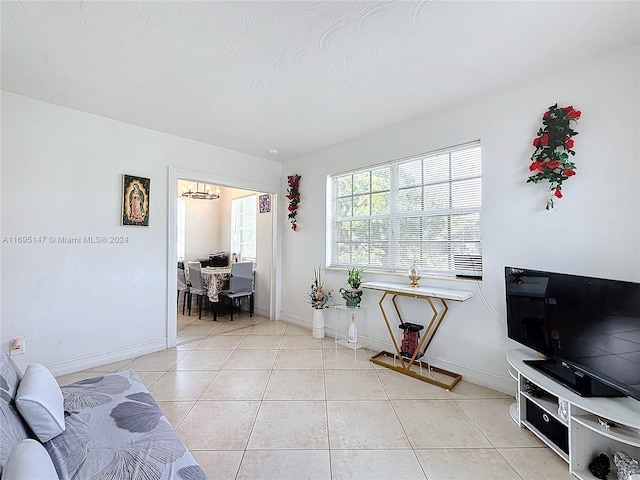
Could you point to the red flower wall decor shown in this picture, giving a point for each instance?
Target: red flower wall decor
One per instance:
(550, 160)
(294, 199)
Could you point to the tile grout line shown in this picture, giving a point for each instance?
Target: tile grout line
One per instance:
(324, 349)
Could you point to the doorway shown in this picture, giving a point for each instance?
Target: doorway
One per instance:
(267, 256)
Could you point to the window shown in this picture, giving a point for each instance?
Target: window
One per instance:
(425, 209)
(243, 227)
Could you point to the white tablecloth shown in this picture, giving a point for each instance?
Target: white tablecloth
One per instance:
(215, 279)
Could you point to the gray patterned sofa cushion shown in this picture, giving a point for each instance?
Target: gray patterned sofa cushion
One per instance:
(116, 430)
(12, 428)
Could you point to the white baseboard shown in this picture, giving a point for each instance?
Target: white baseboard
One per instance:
(504, 384)
(490, 380)
(261, 312)
(487, 379)
(103, 358)
(296, 321)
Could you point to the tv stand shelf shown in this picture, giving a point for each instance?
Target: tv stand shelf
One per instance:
(580, 430)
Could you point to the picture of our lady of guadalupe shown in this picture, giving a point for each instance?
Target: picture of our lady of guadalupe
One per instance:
(135, 200)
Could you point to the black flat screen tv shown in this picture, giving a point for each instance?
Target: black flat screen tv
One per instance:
(588, 328)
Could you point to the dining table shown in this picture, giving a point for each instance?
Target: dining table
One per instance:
(215, 279)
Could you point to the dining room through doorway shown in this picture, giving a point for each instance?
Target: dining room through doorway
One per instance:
(239, 222)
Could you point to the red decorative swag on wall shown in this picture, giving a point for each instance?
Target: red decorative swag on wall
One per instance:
(294, 199)
(554, 144)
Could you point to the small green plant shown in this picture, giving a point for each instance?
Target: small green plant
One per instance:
(354, 277)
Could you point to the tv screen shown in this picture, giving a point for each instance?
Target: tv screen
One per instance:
(592, 324)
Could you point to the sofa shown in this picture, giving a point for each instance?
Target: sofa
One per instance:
(104, 427)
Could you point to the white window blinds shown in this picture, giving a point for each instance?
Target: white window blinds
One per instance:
(425, 209)
(244, 227)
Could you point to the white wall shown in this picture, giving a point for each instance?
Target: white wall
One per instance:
(202, 223)
(201, 228)
(594, 231)
(85, 304)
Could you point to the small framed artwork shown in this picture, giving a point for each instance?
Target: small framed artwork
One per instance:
(265, 203)
(135, 200)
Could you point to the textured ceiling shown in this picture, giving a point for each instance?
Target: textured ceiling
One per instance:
(296, 76)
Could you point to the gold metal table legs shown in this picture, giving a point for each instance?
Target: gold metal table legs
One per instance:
(407, 365)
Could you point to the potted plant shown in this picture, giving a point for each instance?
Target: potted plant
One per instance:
(354, 277)
(319, 299)
(318, 294)
(353, 296)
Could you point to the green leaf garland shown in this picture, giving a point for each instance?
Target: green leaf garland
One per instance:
(554, 147)
(294, 199)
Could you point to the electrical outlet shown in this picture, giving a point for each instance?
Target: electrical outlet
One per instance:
(16, 346)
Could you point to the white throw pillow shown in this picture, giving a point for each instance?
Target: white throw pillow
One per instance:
(40, 403)
(27, 461)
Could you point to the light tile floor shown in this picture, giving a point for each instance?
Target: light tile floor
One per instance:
(257, 399)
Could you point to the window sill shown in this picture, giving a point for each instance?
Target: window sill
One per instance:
(448, 278)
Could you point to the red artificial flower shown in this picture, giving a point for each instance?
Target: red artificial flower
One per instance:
(294, 181)
(572, 114)
(541, 141)
(553, 164)
(554, 140)
(294, 226)
(569, 141)
(293, 197)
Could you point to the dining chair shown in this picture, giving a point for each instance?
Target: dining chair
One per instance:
(196, 288)
(183, 287)
(240, 285)
(191, 264)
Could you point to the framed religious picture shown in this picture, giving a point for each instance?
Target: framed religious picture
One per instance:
(265, 203)
(135, 200)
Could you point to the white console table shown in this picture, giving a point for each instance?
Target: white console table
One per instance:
(586, 436)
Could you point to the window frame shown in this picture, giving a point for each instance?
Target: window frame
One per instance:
(236, 243)
(463, 220)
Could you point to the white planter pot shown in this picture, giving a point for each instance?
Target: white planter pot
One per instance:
(318, 323)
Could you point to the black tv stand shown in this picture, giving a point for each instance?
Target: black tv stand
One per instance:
(575, 380)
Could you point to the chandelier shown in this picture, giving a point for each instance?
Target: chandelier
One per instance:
(205, 194)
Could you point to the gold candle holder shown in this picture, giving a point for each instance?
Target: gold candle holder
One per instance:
(414, 275)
